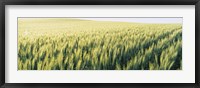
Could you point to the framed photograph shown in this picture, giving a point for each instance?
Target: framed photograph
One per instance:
(95, 43)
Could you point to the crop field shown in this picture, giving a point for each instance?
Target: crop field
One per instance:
(75, 44)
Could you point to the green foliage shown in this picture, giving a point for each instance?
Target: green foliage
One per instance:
(67, 44)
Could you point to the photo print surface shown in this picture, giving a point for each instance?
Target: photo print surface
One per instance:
(99, 43)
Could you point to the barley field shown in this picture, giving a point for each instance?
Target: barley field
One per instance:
(75, 44)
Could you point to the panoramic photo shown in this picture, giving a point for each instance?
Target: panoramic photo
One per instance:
(101, 43)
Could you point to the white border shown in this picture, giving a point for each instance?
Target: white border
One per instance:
(187, 75)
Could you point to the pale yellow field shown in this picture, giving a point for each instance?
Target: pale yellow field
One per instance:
(73, 44)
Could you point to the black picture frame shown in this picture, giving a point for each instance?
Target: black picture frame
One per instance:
(99, 2)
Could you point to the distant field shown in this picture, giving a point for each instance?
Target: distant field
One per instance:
(73, 44)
